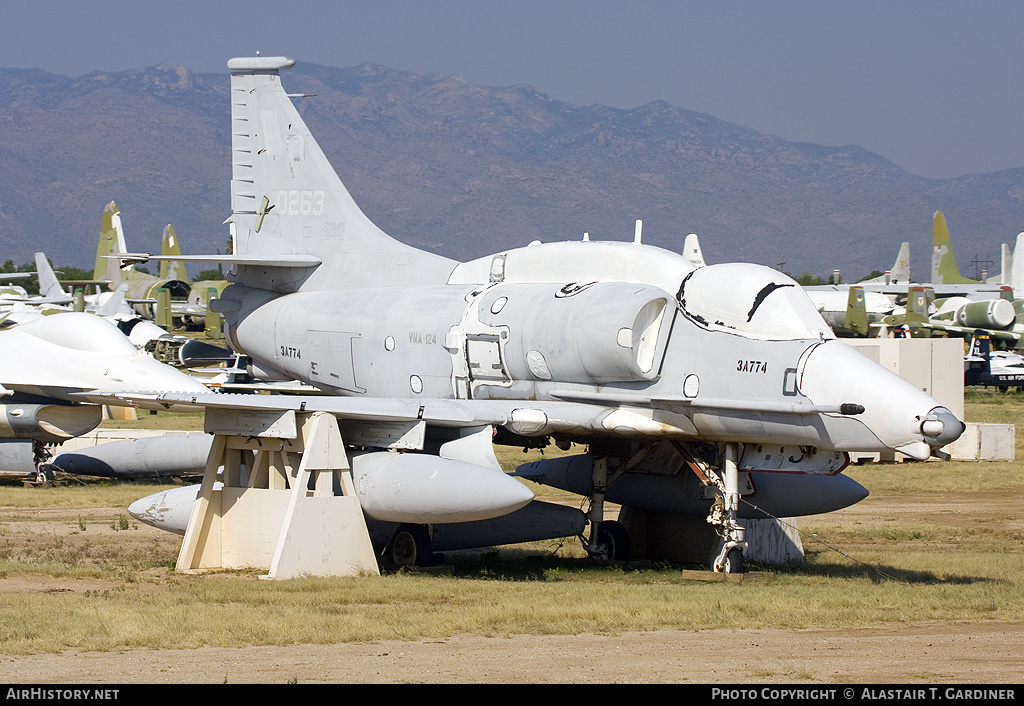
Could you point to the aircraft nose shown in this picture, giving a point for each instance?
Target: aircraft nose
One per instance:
(896, 413)
(941, 427)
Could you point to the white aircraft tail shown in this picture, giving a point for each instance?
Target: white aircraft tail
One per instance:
(692, 252)
(115, 305)
(1006, 264)
(49, 286)
(287, 200)
(900, 272)
(1017, 266)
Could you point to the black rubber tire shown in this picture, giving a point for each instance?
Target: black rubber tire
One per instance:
(410, 545)
(614, 536)
(734, 563)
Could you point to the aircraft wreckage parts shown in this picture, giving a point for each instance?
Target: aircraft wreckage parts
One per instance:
(49, 423)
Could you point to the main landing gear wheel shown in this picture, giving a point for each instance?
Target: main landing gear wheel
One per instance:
(45, 473)
(734, 562)
(410, 545)
(612, 542)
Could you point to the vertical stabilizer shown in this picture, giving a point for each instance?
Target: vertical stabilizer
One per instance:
(692, 252)
(1006, 264)
(856, 312)
(171, 269)
(900, 272)
(944, 267)
(981, 345)
(49, 287)
(286, 198)
(919, 308)
(111, 242)
(1017, 265)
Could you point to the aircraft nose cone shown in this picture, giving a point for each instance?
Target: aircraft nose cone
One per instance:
(941, 427)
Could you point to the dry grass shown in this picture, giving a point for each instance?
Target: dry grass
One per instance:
(513, 596)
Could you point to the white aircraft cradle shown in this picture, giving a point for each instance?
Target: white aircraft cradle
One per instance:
(284, 513)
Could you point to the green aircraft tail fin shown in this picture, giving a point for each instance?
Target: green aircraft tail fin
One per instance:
(856, 312)
(944, 267)
(171, 269)
(111, 242)
(919, 303)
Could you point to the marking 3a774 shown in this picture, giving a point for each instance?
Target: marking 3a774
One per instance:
(751, 366)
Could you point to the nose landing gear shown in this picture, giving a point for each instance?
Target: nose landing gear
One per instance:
(729, 559)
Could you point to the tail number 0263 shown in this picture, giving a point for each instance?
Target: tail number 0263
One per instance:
(301, 203)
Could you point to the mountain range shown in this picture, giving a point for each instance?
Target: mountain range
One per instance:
(464, 170)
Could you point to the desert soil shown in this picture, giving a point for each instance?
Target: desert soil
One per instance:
(922, 653)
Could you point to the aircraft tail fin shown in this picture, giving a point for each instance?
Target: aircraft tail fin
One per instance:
(978, 364)
(287, 199)
(900, 272)
(981, 345)
(692, 252)
(171, 269)
(1017, 265)
(944, 267)
(919, 304)
(49, 286)
(111, 242)
(856, 312)
(1006, 264)
(116, 305)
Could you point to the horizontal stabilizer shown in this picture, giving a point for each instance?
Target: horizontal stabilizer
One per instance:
(288, 260)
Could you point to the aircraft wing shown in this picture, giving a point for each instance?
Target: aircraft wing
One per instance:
(900, 290)
(443, 412)
(628, 415)
(66, 299)
(1010, 336)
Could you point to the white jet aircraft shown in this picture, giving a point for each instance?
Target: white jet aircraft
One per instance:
(712, 391)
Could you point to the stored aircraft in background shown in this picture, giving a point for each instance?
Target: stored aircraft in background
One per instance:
(887, 301)
(141, 288)
(859, 309)
(148, 337)
(187, 300)
(988, 368)
(55, 371)
(698, 391)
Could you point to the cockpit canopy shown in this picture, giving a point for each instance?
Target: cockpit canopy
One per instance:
(751, 300)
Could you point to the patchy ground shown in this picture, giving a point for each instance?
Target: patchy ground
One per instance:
(984, 653)
(930, 653)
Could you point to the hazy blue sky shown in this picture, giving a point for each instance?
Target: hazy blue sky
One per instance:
(936, 86)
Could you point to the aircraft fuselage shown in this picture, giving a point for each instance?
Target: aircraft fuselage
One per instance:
(731, 353)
